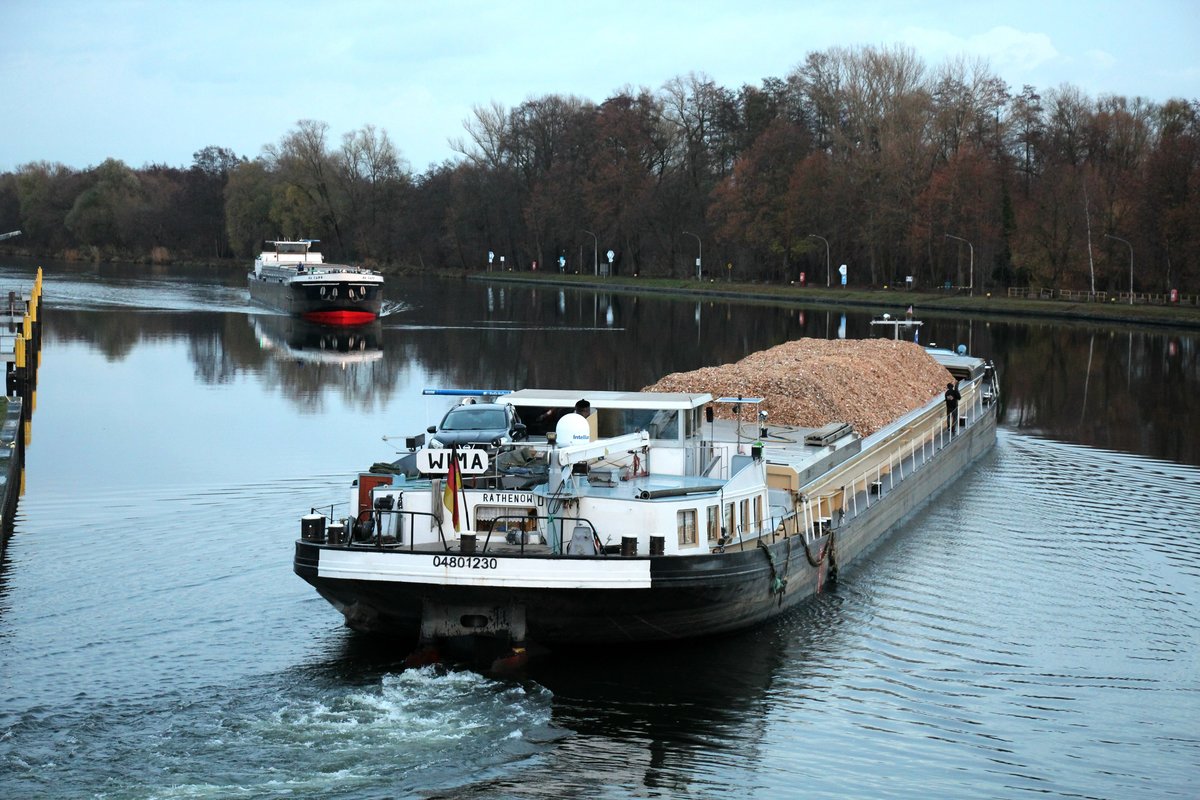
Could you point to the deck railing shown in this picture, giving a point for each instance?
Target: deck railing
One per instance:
(911, 448)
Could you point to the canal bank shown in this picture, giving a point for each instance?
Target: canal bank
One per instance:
(20, 349)
(1184, 315)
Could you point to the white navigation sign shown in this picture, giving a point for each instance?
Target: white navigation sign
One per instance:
(437, 462)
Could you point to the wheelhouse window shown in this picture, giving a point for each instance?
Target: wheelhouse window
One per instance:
(663, 425)
(686, 522)
(745, 516)
(714, 523)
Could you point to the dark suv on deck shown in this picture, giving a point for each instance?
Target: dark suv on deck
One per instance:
(486, 424)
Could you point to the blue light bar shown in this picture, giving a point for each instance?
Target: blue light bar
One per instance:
(465, 392)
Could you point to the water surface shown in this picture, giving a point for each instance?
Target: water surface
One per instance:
(1032, 633)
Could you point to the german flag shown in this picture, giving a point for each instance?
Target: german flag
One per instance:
(453, 488)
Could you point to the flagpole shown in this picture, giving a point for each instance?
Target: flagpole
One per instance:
(455, 485)
(462, 486)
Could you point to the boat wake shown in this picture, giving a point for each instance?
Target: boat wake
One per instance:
(411, 731)
(149, 295)
(504, 326)
(393, 307)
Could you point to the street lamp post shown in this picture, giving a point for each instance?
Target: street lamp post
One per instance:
(699, 252)
(826, 241)
(971, 287)
(595, 252)
(1127, 244)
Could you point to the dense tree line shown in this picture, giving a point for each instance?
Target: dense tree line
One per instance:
(864, 157)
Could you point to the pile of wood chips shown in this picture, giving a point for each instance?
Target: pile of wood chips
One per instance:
(812, 382)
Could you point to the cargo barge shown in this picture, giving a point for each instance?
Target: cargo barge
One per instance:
(293, 278)
(644, 520)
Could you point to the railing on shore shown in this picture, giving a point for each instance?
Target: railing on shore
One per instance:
(1077, 296)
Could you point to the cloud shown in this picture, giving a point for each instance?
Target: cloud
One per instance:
(1004, 47)
(1100, 59)
(1009, 47)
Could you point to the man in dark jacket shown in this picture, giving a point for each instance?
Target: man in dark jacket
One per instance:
(952, 397)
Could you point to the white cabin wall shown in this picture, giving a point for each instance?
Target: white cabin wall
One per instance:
(622, 518)
(667, 460)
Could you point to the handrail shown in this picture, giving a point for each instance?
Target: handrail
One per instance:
(937, 430)
(897, 438)
(375, 515)
(526, 518)
(329, 516)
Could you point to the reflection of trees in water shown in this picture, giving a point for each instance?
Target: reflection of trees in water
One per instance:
(222, 346)
(1120, 389)
(532, 337)
(113, 334)
(213, 363)
(1140, 383)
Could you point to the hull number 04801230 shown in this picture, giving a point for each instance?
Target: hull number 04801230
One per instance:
(464, 562)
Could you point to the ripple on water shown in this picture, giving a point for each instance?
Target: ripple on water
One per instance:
(1032, 631)
(1028, 632)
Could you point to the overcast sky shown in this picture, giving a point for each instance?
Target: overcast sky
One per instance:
(153, 82)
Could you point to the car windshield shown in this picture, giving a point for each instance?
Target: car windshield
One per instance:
(474, 419)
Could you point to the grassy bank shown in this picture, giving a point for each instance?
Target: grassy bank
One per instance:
(981, 304)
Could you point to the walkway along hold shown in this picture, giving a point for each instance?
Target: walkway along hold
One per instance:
(21, 352)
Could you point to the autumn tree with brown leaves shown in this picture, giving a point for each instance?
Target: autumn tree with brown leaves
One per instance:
(892, 162)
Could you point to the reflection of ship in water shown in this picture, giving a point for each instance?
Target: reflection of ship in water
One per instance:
(294, 339)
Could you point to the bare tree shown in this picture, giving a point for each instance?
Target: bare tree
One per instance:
(303, 162)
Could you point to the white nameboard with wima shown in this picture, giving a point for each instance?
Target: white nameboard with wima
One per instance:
(437, 462)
